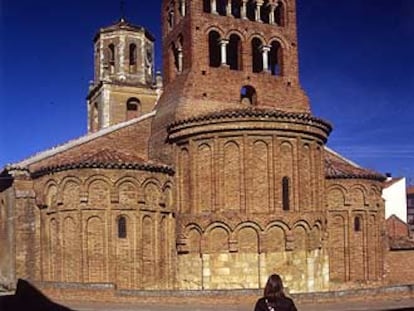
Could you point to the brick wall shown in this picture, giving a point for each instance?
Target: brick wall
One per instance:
(396, 227)
(399, 267)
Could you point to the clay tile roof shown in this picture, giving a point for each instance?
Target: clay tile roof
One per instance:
(337, 166)
(104, 158)
(257, 112)
(401, 243)
(410, 190)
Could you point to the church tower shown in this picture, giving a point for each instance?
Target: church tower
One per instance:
(237, 127)
(124, 84)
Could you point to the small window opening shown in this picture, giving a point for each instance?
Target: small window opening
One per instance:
(111, 50)
(265, 12)
(275, 58)
(171, 19)
(122, 227)
(132, 54)
(214, 49)
(234, 52)
(94, 117)
(236, 8)
(248, 95)
(257, 61)
(133, 107)
(206, 6)
(357, 224)
(279, 15)
(221, 7)
(285, 194)
(251, 10)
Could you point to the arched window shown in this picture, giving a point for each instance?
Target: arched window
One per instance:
(285, 194)
(221, 7)
(257, 57)
(236, 8)
(280, 14)
(122, 227)
(248, 95)
(357, 224)
(214, 48)
(206, 6)
(170, 17)
(275, 59)
(133, 108)
(234, 52)
(132, 54)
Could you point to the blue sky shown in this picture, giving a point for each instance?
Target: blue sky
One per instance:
(356, 64)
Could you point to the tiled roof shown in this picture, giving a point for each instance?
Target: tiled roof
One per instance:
(401, 243)
(104, 158)
(337, 166)
(410, 190)
(256, 112)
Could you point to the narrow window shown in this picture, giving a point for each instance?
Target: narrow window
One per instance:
(265, 12)
(251, 10)
(234, 52)
(171, 19)
(94, 117)
(275, 58)
(206, 6)
(357, 224)
(280, 15)
(222, 7)
(285, 193)
(133, 108)
(183, 8)
(111, 50)
(248, 95)
(122, 227)
(214, 49)
(132, 54)
(236, 8)
(257, 57)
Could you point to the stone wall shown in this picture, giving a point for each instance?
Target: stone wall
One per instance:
(7, 238)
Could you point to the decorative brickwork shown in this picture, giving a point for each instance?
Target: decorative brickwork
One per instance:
(222, 181)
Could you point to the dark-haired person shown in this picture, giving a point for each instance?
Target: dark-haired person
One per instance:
(274, 298)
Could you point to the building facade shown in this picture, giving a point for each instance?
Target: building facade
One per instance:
(216, 182)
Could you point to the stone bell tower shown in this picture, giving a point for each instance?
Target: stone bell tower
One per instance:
(124, 80)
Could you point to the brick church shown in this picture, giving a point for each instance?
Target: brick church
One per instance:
(213, 177)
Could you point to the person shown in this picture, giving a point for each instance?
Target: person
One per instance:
(274, 298)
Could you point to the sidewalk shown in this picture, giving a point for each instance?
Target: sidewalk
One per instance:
(406, 304)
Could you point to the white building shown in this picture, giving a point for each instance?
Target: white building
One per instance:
(395, 196)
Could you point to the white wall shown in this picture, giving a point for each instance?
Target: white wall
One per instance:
(395, 197)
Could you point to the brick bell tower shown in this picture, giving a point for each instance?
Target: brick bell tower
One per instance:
(224, 54)
(124, 81)
(248, 154)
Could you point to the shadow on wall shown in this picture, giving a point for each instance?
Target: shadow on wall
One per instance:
(28, 298)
